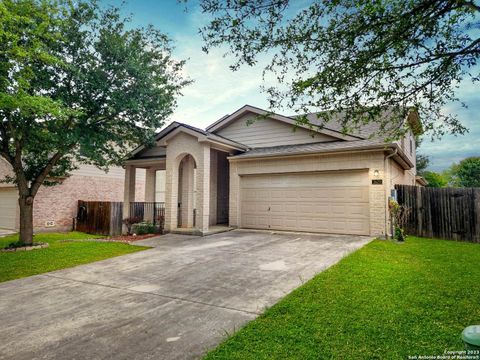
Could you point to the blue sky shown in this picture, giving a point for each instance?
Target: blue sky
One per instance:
(217, 90)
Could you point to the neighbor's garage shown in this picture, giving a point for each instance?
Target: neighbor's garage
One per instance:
(8, 208)
(330, 202)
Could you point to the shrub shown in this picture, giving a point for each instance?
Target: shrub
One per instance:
(130, 221)
(143, 228)
(399, 215)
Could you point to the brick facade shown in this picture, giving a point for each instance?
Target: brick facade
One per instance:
(59, 203)
(178, 147)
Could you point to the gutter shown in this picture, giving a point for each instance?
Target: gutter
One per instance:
(393, 147)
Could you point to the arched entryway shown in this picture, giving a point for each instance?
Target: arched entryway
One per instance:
(186, 192)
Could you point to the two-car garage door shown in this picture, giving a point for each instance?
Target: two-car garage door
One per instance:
(330, 202)
(8, 208)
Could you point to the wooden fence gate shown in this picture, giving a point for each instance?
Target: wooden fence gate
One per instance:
(445, 213)
(99, 217)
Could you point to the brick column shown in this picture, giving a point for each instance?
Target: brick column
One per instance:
(129, 189)
(234, 196)
(171, 192)
(150, 177)
(187, 184)
(203, 190)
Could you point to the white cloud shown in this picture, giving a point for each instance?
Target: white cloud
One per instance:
(218, 91)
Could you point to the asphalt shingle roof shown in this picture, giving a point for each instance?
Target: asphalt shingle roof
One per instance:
(316, 147)
(364, 131)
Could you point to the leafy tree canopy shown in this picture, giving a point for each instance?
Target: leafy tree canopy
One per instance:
(358, 56)
(435, 179)
(77, 86)
(466, 173)
(422, 162)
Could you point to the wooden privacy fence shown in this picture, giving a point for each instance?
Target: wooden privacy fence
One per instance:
(445, 213)
(99, 217)
(105, 217)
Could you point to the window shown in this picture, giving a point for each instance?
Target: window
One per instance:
(411, 146)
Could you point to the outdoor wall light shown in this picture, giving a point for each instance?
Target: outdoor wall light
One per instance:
(376, 173)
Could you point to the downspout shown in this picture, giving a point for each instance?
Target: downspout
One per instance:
(387, 186)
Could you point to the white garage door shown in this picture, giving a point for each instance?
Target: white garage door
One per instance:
(333, 202)
(8, 208)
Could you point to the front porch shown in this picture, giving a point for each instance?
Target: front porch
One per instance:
(190, 174)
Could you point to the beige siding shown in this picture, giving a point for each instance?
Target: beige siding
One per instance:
(407, 144)
(400, 176)
(268, 132)
(115, 172)
(330, 202)
(5, 170)
(8, 208)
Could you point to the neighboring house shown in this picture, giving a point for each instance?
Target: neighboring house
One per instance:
(265, 175)
(56, 206)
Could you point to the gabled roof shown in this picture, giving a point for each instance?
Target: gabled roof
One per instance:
(227, 119)
(392, 122)
(176, 127)
(333, 127)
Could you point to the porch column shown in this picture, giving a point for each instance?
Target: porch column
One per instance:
(129, 189)
(171, 192)
(203, 190)
(150, 177)
(187, 189)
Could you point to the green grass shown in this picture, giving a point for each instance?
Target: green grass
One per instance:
(385, 301)
(58, 255)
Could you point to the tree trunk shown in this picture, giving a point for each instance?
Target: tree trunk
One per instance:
(26, 219)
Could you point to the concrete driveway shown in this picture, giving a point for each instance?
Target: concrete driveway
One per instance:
(175, 301)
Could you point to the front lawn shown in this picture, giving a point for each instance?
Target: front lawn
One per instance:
(58, 255)
(385, 301)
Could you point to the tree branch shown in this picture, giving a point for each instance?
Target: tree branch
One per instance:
(43, 174)
(465, 51)
(470, 4)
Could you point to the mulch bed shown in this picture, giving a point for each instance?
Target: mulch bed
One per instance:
(20, 247)
(130, 238)
(120, 238)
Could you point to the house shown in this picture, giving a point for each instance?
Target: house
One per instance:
(262, 173)
(55, 207)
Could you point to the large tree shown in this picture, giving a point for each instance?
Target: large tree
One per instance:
(76, 86)
(422, 160)
(357, 57)
(466, 173)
